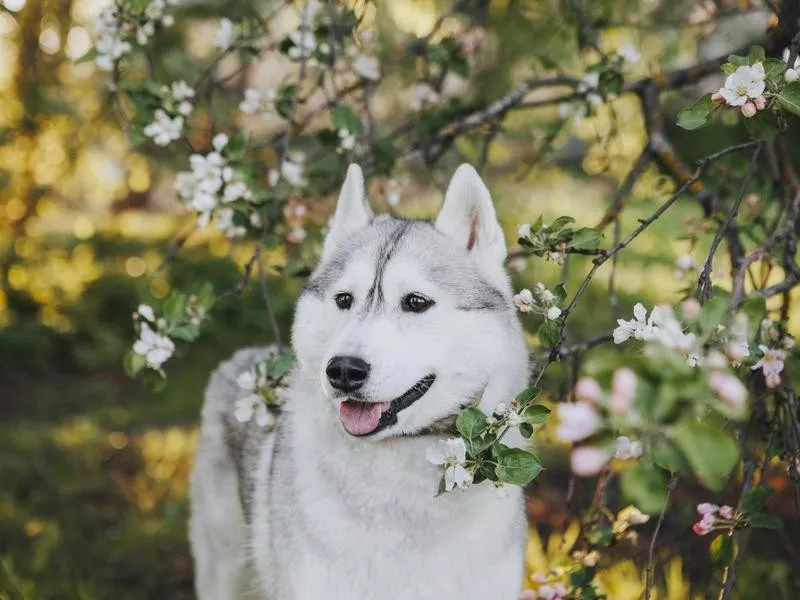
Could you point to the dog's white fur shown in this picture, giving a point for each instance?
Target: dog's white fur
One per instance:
(309, 511)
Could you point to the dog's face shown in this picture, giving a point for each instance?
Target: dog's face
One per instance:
(405, 322)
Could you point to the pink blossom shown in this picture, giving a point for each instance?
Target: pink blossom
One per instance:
(728, 388)
(704, 525)
(623, 389)
(527, 595)
(771, 364)
(749, 109)
(760, 102)
(587, 461)
(588, 389)
(706, 508)
(578, 421)
(726, 512)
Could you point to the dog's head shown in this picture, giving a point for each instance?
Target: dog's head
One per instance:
(405, 322)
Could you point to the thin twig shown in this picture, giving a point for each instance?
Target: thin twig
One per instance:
(704, 281)
(651, 550)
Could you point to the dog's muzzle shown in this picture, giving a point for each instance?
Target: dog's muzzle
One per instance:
(389, 414)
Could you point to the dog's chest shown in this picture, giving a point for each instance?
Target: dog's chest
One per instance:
(371, 528)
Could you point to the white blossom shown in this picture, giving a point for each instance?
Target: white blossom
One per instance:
(523, 301)
(226, 224)
(367, 67)
(226, 34)
(164, 129)
(146, 312)
(347, 140)
(304, 44)
(236, 191)
(156, 348)
(393, 193)
(553, 313)
(771, 364)
(523, 230)
(786, 53)
(182, 91)
(422, 95)
(626, 449)
(629, 53)
(746, 83)
(253, 406)
(452, 454)
(292, 171)
(220, 141)
(254, 101)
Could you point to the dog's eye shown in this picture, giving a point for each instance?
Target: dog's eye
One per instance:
(416, 303)
(343, 300)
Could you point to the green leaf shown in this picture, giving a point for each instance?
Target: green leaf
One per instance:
(602, 535)
(586, 239)
(698, 115)
(789, 97)
(471, 423)
(549, 333)
(581, 577)
(527, 395)
(343, 117)
(763, 125)
(280, 366)
(645, 486)
(737, 61)
(236, 146)
(723, 550)
(559, 223)
(561, 292)
(175, 308)
(774, 69)
(765, 521)
(384, 152)
(755, 55)
(669, 458)
(713, 314)
(516, 466)
(536, 414)
(526, 430)
(154, 380)
(133, 363)
(756, 499)
(710, 450)
(88, 56)
(187, 332)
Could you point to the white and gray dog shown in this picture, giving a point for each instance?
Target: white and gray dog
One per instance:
(401, 324)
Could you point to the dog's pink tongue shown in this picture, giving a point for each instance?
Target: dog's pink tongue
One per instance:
(360, 418)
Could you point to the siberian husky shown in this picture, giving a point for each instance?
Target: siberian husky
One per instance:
(402, 323)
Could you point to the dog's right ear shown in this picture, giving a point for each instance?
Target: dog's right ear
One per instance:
(352, 211)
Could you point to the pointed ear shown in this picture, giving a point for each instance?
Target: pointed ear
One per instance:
(352, 211)
(469, 218)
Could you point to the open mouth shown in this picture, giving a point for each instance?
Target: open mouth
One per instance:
(366, 418)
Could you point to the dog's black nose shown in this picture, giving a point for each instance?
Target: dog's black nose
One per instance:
(347, 373)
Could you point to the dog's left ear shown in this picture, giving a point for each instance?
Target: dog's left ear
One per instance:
(468, 216)
(352, 211)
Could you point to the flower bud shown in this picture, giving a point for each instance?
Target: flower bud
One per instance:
(587, 461)
(717, 98)
(690, 309)
(749, 109)
(588, 389)
(623, 389)
(760, 102)
(728, 388)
